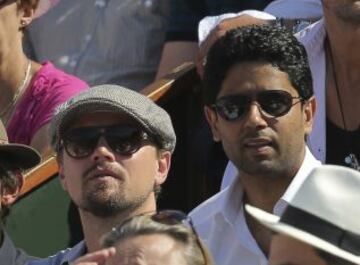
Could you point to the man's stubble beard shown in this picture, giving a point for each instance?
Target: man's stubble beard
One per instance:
(348, 14)
(266, 168)
(105, 203)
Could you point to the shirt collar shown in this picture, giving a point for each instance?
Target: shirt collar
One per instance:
(306, 167)
(75, 252)
(9, 254)
(7, 250)
(312, 37)
(232, 200)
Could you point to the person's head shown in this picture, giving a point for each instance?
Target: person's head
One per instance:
(259, 99)
(320, 223)
(114, 147)
(347, 11)
(14, 158)
(146, 240)
(15, 16)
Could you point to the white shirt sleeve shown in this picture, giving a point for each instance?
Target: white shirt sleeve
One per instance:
(207, 24)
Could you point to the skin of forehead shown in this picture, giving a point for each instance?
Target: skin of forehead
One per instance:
(156, 249)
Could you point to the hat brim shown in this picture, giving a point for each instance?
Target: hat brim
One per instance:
(273, 223)
(22, 155)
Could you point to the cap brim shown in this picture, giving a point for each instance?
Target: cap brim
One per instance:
(24, 156)
(273, 223)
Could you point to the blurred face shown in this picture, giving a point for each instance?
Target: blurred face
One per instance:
(14, 17)
(156, 249)
(288, 251)
(106, 183)
(346, 10)
(257, 143)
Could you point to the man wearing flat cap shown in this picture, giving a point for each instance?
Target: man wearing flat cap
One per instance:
(13, 159)
(114, 147)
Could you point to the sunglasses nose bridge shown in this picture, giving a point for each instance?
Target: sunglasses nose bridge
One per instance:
(255, 115)
(102, 150)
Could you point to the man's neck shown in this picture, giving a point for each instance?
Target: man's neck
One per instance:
(95, 227)
(264, 192)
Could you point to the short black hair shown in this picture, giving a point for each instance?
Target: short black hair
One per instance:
(264, 43)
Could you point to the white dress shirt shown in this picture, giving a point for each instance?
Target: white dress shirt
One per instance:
(220, 221)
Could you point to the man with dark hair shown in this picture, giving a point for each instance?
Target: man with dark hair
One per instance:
(113, 147)
(13, 159)
(335, 138)
(260, 106)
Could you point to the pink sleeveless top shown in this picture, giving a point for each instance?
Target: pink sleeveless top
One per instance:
(48, 88)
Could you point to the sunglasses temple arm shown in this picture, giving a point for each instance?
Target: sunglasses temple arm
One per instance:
(198, 241)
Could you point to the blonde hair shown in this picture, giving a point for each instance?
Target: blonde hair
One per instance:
(195, 252)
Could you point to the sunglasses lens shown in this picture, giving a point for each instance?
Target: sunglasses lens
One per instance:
(80, 142)
(170, 217)
(275, 103)
(125, 140)
(122, 139)
(232, 107)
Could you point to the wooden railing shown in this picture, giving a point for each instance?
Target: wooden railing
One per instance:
(39, 175)
(180, 80)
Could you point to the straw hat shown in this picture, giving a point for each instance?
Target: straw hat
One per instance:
(22, 155)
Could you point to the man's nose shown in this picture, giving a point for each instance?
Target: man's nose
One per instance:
(254, 117)
(102, 151)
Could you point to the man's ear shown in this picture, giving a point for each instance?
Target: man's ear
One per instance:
(164, 162)
(212, 120)
(309, 113)
(59, 159)
(10, 194)
(26, 11)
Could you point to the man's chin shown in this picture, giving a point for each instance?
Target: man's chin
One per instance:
(102, 209)
(259, 166)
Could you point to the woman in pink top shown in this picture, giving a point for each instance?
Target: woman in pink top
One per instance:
(29, 91)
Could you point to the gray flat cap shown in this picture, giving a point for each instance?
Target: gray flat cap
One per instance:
(155, 120)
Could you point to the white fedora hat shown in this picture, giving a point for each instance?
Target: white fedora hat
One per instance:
(324, 212)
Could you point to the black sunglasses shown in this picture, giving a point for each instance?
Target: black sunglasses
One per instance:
(123, 139)
(166, 217)
(273, 103)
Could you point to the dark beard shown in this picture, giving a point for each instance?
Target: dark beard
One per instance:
(112, 204)
(348, 14)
